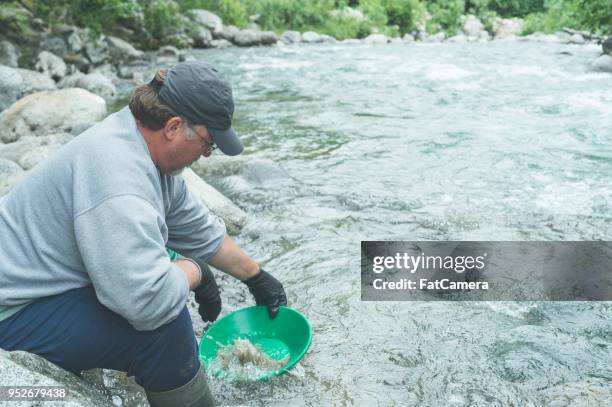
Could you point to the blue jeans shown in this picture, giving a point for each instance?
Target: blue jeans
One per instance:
(76, 332)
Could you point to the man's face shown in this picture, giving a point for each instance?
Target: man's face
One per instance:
(183, 146)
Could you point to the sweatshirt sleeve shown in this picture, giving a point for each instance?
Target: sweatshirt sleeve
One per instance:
(122, 246)
(193, 230)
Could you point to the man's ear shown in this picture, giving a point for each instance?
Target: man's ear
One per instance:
(172, 127)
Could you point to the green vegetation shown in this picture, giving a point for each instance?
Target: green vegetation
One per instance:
(165, 21)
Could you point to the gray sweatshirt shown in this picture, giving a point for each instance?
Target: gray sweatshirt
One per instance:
(98, 212)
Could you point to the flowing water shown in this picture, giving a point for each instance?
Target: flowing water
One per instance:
(495, 141)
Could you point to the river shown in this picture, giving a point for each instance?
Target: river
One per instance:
(479, 141)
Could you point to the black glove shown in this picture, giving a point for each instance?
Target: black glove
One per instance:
(267, 291)
(207, 295)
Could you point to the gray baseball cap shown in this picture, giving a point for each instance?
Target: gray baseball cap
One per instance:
(197, 91)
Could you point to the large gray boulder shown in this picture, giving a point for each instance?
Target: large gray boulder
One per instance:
(607, 46)
(26, 369)
(269, 38)
(234, 217)
(9, 54)
(202, 37)
(51, 65)
(229, 33)
(121, 51)
(47, 112)
(291, 37)
(35, 81)
(11, 86)
(602, 64)
(311, 37)
(472, 27)
(507, 27)
(97, 83)
(207, 19)
(376, 39)
(247, 38)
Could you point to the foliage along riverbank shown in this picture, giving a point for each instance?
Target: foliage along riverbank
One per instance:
(150, 24)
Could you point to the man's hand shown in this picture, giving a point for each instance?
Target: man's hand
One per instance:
(267, 291)
(207, 295)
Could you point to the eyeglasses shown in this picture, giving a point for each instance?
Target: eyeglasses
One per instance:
(209, 146)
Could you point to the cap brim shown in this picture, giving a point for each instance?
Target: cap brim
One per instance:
(227, 141)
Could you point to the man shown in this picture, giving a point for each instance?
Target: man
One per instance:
(85, 279)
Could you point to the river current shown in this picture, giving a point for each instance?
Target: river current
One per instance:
(481, 141)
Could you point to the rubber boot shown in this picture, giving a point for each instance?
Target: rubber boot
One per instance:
(195, 393)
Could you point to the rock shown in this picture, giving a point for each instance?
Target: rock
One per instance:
(328, 39)
(29, 369)
(457, 39)
(75, 41)
(545, 38)
(576, 39)
(97, 51)
(472, 26)
(168, 51)
(221, 43)
(376, 39)
(11, 86)
(121, 50)
(246, 38)
(229, 32)
(55, 45)
(602, 64)
(97, 83)
(8, 168)
(408, 38)
(437, 37)
(607, 46)
(47, 146)
(70, 81)
(234, 217)
(209, 20)
(47, 112)
(202, 37)
(310, 37)
(507, 27)
(51, 65)
(9, 54)
(269, 38)
(291, 37)
(17, 24)
(35, 81)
